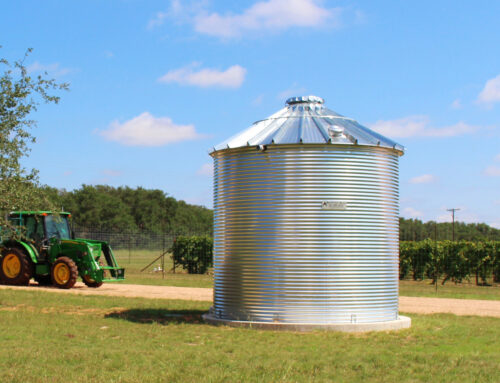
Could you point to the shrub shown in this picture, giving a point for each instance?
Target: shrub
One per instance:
(415, 256)
(193, 253)
(405, 251)
(496, 262)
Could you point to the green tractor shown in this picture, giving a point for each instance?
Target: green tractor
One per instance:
(48, 252)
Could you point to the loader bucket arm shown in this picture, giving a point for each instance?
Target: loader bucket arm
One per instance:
(117, 273)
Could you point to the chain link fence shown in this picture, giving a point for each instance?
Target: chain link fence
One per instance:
(132, 241)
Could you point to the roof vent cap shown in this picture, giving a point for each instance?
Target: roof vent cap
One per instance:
(305, 100)
(335, 131)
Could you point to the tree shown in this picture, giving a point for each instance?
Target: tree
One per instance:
(416, 230)
(96, 206)
(20, 95)
(124, 208)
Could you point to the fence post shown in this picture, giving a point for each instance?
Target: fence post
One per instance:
(173, 258)
(129, 248)
(163, 257)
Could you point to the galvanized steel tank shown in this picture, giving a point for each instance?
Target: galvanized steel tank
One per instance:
(306, 220)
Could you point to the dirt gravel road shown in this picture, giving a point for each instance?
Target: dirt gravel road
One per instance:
(131, 291)
(414, 305)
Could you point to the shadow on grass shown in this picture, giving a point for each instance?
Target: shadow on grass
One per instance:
(161, 316)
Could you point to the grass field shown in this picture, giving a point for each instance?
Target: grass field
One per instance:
(136, 260)
(466, 290)
(48, 337)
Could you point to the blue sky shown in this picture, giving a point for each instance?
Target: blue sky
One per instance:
(155, 84)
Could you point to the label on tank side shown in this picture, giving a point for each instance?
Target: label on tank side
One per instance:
(334, 205)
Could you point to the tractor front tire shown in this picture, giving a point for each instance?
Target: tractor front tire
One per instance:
(15, 267)
(90, 282)
(64, 273)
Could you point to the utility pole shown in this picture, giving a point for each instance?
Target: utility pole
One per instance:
(435, 253)
(453, 210)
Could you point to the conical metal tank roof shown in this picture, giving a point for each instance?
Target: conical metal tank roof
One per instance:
(305, 120)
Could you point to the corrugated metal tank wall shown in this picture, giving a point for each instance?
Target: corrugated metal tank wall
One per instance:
(306, 234)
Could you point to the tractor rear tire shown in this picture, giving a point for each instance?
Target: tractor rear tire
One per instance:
(15, 267)
(90, 282)
(64, 273)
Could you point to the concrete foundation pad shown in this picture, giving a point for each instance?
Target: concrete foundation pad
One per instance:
(398, 324)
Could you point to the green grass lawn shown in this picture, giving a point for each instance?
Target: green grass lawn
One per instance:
(49, 337)
(463, 290)
(138, 259)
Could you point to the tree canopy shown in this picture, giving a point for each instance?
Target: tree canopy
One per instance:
(20, 95)
(126, 209)
(416, 230)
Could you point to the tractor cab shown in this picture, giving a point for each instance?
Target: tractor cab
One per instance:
(40, 227)
(43, 225)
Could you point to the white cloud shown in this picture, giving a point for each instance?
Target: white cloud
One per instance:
(175, 11)
(257, 101)
(360, 17)
(418, 126)
(157, 20)
(497, 157)
(423, 179)
(203, 198)
(111, 173)
(457, 104)
(444, 218)
(54, 69)
(462, 214)
(412, 213)
(262, 16)
(206, 169)
(271, 15)
(492, 171)
(491, 91)
(293, 91)
(232, 77)
(147, 130)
